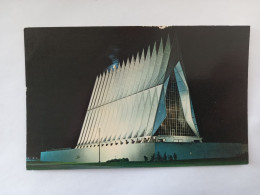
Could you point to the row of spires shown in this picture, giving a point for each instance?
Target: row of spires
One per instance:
(131, 77)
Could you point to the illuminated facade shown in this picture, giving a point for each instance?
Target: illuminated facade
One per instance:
(140, 108)
(145, 99)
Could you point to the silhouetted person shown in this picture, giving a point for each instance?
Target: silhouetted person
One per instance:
(175, 156)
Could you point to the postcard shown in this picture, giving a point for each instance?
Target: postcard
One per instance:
(115, 97)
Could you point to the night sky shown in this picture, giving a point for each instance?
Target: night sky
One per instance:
(62, 64)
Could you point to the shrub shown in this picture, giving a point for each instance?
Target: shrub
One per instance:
(119, 160)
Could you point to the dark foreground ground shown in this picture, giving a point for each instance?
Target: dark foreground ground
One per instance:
(38, 165)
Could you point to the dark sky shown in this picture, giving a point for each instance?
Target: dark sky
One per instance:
(62, 64)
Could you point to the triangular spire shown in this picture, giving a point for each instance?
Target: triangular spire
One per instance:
(151, 67)
(142, 57)
(132, 62)
(157, 66)
(148, 53)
